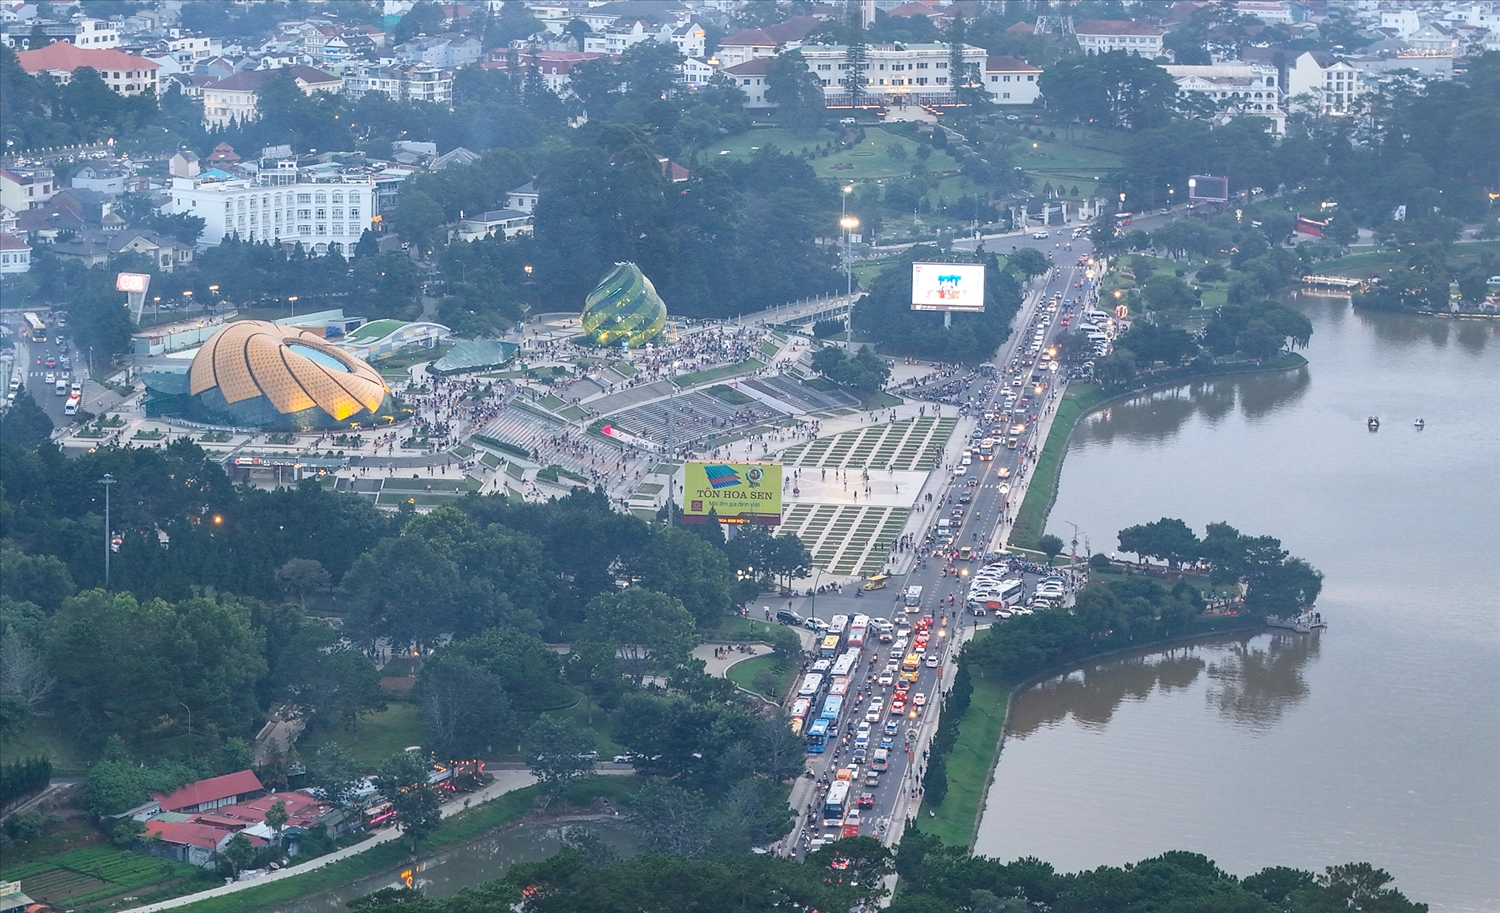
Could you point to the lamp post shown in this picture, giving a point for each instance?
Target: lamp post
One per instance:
(848, 223)
(107, 482)
(190, 717)
(292, 300)
(156, 309)
(213, 290)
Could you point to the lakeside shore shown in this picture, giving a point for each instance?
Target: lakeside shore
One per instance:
(981, 731)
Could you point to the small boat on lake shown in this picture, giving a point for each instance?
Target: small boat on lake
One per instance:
(1419, 424)
(1305, 623)
(1373, 423)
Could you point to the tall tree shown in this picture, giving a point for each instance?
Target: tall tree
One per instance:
(402, 779)
(856, 55)
(796, 92)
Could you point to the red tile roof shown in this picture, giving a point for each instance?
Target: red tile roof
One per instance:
(755, 38)
(760, 66)
(999, 63)
(211, 790)
(63, 56)
(188, 833)
(11, 242)
(793, 29)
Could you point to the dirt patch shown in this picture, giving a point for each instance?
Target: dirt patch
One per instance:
(398, 684)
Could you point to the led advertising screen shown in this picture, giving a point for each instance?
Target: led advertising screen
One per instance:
(1209, 189)
(947, 287)
(736, 492)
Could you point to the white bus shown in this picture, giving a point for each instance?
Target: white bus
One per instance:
(812, 683)
(913, 598)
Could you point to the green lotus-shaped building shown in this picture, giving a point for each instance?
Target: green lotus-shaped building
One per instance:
(624, 309)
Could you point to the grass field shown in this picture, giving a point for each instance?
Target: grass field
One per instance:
(713, 374)
(1066, 165)
(1031, 521)
(1376, 262)
(44, 737)
(866, 161)
(377, 737)
(969, 765)
(743, 674)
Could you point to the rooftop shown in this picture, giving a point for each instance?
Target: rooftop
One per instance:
(62, 55)
(1116, 27)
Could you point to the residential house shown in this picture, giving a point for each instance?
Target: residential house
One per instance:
(183, 164)
(556, 67)
(125, 74)
(23, 188)
(93, 247)
(523, 198)
(507, 223)
(1100, 36)
(96, 34)
(1271, 12)
(15, 255)
(455, 156)
(751, 44)
(188, 841)
(233, 98)
(696, 72)
(1010, 81)
(104, 179)
(447, 52)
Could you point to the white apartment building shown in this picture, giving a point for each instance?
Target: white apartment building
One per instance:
(750, 77)
(1235, 89)
(1401, 21)
(1100, 36)
(96, 35)
(414, 83)
(1271, 12)
(335, 210)
(1332, 84)
(899, 74)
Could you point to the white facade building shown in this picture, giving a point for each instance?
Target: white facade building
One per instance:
(96, 35)
(1235, 89)
(235, 97)
(897, 74)
(1331, 84)
(414, 83)
(1271, 12)
(1401, 21)
(1100, 36)
(331, 211)
(1010, 81)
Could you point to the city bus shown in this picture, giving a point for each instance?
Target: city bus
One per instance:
(35, 327)
(839, 685)
(913, 598)
(812, 683)
(912, 661)
(837, 625)
(801, 707)
(817, 736)
(829, 646)
(844, 665)
(836, 805)
(987, 449)
(833, 705)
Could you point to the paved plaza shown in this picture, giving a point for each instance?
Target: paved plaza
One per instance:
(903, 445)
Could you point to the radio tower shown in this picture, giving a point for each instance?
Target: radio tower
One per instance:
(1063, 24)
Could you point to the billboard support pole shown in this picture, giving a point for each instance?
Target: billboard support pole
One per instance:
(947, 320)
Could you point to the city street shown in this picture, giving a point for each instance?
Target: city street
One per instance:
(988, 491)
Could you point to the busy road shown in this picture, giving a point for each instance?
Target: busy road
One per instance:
(919, 617)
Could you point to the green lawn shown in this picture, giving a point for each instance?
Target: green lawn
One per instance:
(43, 736)
(744, 673)
(1375, 262)
(1031, 522)
(377, 737)
(713, 374)
(866, 161)
(738, 628)
(969, 766)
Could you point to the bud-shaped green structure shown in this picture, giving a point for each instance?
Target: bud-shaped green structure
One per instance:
(624, 308)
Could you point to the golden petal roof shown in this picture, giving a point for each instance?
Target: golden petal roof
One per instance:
(295, 369)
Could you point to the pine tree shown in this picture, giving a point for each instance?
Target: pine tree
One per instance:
(855, 57)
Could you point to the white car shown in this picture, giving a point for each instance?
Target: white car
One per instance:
(886, 678)
(932, 661)
(1039, 235)
(876, 711)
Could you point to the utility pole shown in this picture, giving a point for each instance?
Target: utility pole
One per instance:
(107, 482)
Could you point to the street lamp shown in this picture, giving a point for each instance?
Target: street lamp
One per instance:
(214, 291)
(108, 481)
(848, 223)
(156, 308)
(292, 300)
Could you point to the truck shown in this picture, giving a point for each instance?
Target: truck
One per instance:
(913, 600)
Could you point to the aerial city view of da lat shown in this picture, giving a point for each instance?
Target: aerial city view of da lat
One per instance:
(749, 456)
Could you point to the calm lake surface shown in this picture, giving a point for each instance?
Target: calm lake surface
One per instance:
(1378, 740)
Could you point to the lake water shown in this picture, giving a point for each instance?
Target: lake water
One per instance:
(1378, 740)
